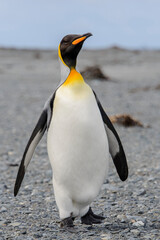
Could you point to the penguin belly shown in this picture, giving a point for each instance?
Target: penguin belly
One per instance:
(78, 150)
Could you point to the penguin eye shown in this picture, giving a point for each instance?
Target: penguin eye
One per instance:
(65, 42)
(65, 39)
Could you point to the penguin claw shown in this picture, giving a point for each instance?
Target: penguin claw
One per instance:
(67, 222)
(91, 218)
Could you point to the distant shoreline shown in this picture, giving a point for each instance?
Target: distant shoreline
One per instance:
(114, 47)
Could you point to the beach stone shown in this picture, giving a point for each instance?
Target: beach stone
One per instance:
(34, 192)
(38, 235)
(3, 209)
(48, 199)
(15, 224)
(122, 218)
(135, 232)
(105, 236)
(141, 192)
(138, 224)
(28, 187)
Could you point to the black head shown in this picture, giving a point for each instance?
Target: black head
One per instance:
(70, 46)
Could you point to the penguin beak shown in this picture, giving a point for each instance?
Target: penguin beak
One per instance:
(82, 38)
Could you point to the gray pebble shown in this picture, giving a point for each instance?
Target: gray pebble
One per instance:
(3, 209)
(138, 224)
(15, 224)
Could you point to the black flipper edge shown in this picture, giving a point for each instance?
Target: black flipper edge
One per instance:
(29, 150)
(115, 145)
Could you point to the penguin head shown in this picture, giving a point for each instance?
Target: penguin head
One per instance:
(69, 48)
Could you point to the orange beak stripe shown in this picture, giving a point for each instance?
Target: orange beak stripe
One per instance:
(78, 40)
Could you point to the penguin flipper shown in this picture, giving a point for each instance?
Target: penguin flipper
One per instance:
(29, 150)
(115, 146)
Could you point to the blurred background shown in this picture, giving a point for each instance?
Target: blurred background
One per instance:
(42, 23)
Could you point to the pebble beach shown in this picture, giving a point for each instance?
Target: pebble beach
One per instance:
(131, 208)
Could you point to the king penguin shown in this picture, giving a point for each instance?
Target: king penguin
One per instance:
(79, 140)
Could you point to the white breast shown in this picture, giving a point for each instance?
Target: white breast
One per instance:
(77, 142)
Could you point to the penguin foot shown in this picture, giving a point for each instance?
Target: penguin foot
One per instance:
(67, 222)
(96, 216)
(91, 218)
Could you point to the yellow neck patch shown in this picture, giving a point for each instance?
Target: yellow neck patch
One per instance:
(60, 56)
(73, 77)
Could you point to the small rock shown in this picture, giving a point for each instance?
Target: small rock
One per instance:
(7, 222)
(151, 178)
(38, 235)
(122, 218)
(135, 232)
(48, 199)
(28, 187)
(15, 224)
(105, 236)
(141, 212)
(3, 209)
(10, 153)
(138, 224)
(35, 192)
(141, 193)
(5, 186)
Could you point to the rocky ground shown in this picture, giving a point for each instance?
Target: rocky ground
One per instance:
(132, 208)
